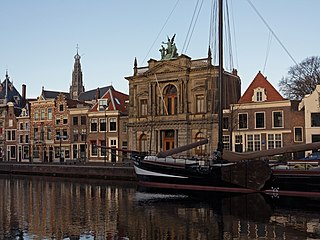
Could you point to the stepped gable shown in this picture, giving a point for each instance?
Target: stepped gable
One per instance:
(261, 81)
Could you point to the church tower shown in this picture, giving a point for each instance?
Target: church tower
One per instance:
(76, 87)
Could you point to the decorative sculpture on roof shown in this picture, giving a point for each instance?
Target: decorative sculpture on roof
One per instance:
(171, 50)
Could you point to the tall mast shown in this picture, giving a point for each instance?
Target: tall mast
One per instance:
(220, 78)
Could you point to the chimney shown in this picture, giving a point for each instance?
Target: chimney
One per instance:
(97, 93)
(24, 88)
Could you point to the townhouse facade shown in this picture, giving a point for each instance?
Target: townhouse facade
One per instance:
(310, 105)
(262, 119)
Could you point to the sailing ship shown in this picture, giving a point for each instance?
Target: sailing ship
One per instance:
(225, 171)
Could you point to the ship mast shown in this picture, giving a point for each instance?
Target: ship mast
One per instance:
(220, 78)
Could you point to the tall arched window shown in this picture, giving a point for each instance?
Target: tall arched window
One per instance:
(143, 143)
(200, 150)
(171, 100)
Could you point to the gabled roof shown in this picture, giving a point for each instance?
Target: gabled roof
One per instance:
(117, 101)
(261, 82)
(46, 94)
(92, 94)
(9, 93)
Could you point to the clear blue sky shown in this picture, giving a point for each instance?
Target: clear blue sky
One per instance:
(39, 38)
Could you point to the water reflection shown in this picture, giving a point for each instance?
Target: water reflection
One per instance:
(51, 208)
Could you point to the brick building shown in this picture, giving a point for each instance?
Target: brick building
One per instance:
(262, 119)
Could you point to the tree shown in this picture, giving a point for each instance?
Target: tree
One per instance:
(302, 79)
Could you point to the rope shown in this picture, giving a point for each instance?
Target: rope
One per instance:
(174, 7)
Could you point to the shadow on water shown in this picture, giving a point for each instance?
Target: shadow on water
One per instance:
(271, 217)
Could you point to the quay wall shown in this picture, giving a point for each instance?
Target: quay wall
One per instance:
(110, 172)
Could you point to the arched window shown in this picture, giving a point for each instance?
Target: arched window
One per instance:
(171, 100)
(143, 143)
(200, 150)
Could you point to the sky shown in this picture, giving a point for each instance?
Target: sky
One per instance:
(39, 38)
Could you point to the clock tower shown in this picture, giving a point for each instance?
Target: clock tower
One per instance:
(76, 87)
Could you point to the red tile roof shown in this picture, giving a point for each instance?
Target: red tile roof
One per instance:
(262, 82)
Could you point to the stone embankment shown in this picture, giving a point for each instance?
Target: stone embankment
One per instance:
(114, 171)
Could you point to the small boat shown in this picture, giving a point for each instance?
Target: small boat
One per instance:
(226, 171)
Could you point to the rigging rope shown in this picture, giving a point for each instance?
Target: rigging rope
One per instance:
(174, 7)
(199, 10)
(268, 51)
(273, 33)
(194, 13)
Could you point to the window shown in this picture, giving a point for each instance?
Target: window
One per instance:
(243, 121)
(253, 142)
(94, 149)
(103, 104)
(143, 107)
(200, 104)
(259, 96)
(113, 124)
(277, 119)
(21, 126)
(35, 133)
(298, 134)
(49, 133)
(49, 113)
(75, 135)
(27, 126)
(103, 125)
(200, 150)
(226, 142)
(143, 143)
(65, 133)
(103, 149)
(65, 120)
(27, 138)
(58, 120)
(75, 121)
(83, 120)
(94, 125)
(12, 151)
(259, 120)
(36, 114)
(274, 141)
(10, 123)
(225, 123)
(21, 139)
(315, 119)
(43, 114)
(61, 107)
(83, 135)
(171, 100)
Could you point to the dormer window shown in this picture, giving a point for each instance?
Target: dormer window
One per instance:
(259, 95)
(103, 104)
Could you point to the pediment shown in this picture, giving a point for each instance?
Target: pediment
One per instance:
(165, 67)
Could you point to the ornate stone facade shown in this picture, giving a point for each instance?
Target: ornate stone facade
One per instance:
(174, 102)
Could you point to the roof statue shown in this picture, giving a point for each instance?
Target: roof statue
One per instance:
(171, 50)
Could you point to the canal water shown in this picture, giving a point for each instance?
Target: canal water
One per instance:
(60, 208)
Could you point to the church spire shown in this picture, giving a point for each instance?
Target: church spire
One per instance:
(76, 87)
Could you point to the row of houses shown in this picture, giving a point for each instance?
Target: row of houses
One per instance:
(171, 102)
